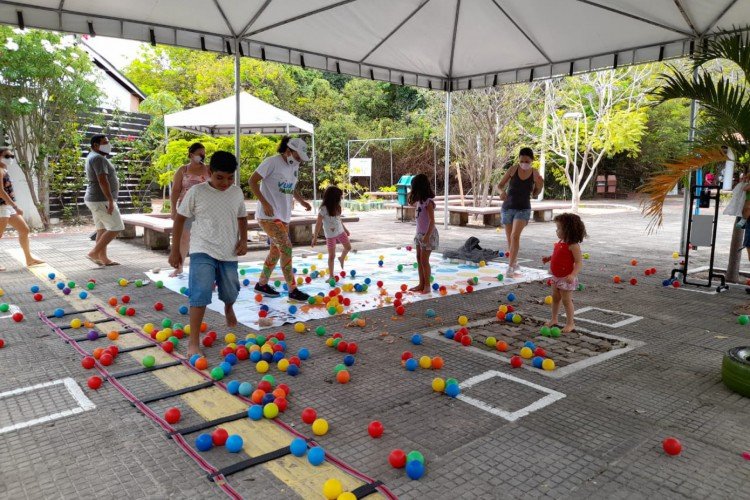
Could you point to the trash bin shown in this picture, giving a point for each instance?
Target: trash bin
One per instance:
(402, 189)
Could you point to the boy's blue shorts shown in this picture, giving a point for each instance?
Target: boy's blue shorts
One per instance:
(204, 272)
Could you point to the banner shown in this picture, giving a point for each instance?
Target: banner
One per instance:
(360, 167)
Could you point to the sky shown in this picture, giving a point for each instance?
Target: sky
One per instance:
(118, 52)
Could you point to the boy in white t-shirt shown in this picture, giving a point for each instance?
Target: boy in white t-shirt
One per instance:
(218, 235)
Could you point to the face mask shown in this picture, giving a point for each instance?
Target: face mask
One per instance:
(198, 159)
(291, 161)
(525, 166)
(105, 148)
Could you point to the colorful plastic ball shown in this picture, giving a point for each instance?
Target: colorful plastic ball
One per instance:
(298, 447)
(320, 427)
(415, 469)
(555, 332)
(255, 412)
(548, 364)
(219, 437)
(449, 334)
(343, 377)
(676, 284)
(233, 387)
(425, 362)
(411, 364)
(106, 359)
(438, 384)
(516, 361)
(304, 353)
(309, 415)
(292, 309)
(437, 363)
(316, 455)
(94, 382)
(466, 340)
(204, 442)
(172, 415)
(217, 373)
(60, 285)
(201, 363)
(397, 459)
(293, 370)
(511, 297)
(545, 331)
(671, 446)
(299, 327)
(148, 361)
(536, 361)
(193, 359)
(616, 279)
(743, 319)
(66, 291)
(234, 443)
(244, 389)
(416, 339)
(490, 342)
(501, 346)
(349, 360)
(452, 390)
(633, 281)
(332, 489)
(88, 362)
(400, 310)
(463, 320)
(526, 353)
(530, 344)
(35, 289)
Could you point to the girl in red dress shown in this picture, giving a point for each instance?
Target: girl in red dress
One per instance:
(566, 262)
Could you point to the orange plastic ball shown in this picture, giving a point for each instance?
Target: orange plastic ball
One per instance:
(201, 363)
(437, 363)
(113, 335)
(343, 377)
(501, 346)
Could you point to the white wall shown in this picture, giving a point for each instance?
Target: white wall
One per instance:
(114, 95)
(23, 196)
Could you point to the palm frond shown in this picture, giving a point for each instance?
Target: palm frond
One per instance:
(658, 186)
(732, 46)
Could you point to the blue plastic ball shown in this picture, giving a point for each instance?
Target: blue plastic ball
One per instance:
(380, 263)
(368, 281)
(416, 339)
(430, 313)
(60, 285)
(278, 356)
(231, 358)
(250, 341)
(266, 356)
(82, 294)
(501, 254)
(255, 356)
(241, 342)
(357, 287)
(234, 443)
(282, 343)
(245, 389)
(537, 361)
(204, 442)
(285, 287)
(294, 270)
(509, 317)
(51, 276)
(452, 390)
(59, 313)
(415, 469)
(194, 358)
(531, 345)
(353, 273)
(303, 353)
(186, 293)
(435, 286)
(255, 412)
(411, 364)
(511, 297)
(293, 370)
(183, 309)
(292, 309)
(314, 274)
(348, 360)
(298, 447)
(34, 288)
(449, 334)
(245, 282)
(316, 455)
(233, 387)
(264, 307)
(226, 367)
(666, 282)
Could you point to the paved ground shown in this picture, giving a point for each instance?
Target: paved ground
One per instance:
(603, 439)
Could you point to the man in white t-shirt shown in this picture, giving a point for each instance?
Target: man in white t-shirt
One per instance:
(217, 237)
(273, 183)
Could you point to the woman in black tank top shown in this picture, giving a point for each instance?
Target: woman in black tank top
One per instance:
(523, 183)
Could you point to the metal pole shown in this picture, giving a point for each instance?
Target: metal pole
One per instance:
(447, 156)
(686, 195)
(348, 171)
(434, 162)
(315, 176)
(390, 144)
(237, 106)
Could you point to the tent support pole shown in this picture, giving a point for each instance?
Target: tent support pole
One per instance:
(237, 107)
(447, 156)
(315, 176)
(686, 197)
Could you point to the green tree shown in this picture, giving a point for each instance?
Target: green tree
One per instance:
(45, 83)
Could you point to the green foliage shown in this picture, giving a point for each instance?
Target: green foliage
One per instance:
(338, 176)
(387, 189)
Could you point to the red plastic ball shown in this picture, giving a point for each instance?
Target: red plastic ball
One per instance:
(337, 335)
(179, 333)
(347, 301)
(265, 385)
(516, 362)
(404, 287)
(397, 459)
(158, 306)
(540, 352)
(172, 415)
(343, 346)
(342, 274)
(262, 313)
(88, 362)
(284, 388)
(400, 310)
(219, 437)
(676, 284)
(113, 350)
(309, 415)
(38, 297)
(469, 289)
(352, 348)
(633, 281)
(2, 343)
(130, 311)
(406, 355)
(672, 446)
(282, 403)
(208, 341)
(212, 334)
(294, 360)
(94, 382)
(241, 352)
(226, 350)
(380, 284)
(398, 295)
(280, 335)
(277, 348)
(375, 429)
(466, 340)
(308, 279)
(18, 317)
(397, 303)
(106, 359)
(125, 299)
(167, 346)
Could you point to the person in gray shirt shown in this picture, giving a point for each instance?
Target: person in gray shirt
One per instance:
(101, 199)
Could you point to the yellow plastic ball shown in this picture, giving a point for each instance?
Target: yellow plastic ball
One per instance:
(548, 365)
(300, 280)
(382, 257)
(168, 331)
(332, 489)
(186, 329)
(232, 345)
(266, 348)
(254, 347)
(463, 320)
(313, 267)
(425, 362)
(320, 427)
(503, 309)
(517, 319)
(148, 328)
(123, 282)
(161, 336)
(271, 410)
(283, 364)
(320, 256)
(76, 323)
(482, 263)
(230, 338)
(548, 299)
(490, 342)
(347, 495)
(2, 292)
(329, 341)
(250, 336)
(299, 327)
(339, 308)
(526, 353)
(438, 384)
(262, 366)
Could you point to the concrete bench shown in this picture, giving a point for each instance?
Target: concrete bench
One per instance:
(300, 227)
(459, 215)
(404, 213)
(156, 229)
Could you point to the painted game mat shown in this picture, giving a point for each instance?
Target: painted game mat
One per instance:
(449, 273)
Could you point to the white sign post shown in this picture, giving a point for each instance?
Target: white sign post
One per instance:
(360, 167)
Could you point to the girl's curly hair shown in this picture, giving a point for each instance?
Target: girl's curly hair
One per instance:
(573, 229)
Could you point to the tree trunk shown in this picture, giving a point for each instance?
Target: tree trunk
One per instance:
(735, 256)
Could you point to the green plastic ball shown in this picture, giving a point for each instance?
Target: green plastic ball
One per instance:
(400, 267)
(159, 284)
(270, 379)
(580, 287)
(90, 285)
(475, 280)
(217, 373)
(305, 271)
(277, 283)
(336, 342)
(320, 331)
(432, 278)
(451, 381)
(148, 361)
(4, 307)
(415, 455)
(331, 310)
(183, 289)
(743, 320)
(242, 272)
(175, 341)
(555, 332)
(260, 339)
(500, 277)
(123, 311)
(138, 283)
(339, 367)
(332, 282)
(415, 265)
(545, 331)
(178, 326)
(311, 300)
(71, 284)
(166, 323)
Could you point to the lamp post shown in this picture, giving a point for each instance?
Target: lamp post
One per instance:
(577, 116)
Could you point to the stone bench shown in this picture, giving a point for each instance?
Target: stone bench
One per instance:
(459, 215)
(404, 213)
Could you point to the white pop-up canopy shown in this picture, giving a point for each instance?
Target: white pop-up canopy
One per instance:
(257, 117)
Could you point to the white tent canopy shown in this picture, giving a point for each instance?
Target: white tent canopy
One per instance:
(441, 44)
(257, 117)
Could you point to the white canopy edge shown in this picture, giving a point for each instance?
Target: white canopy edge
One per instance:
(56, 15)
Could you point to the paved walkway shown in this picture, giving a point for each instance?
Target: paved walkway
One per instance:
(602, 439)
